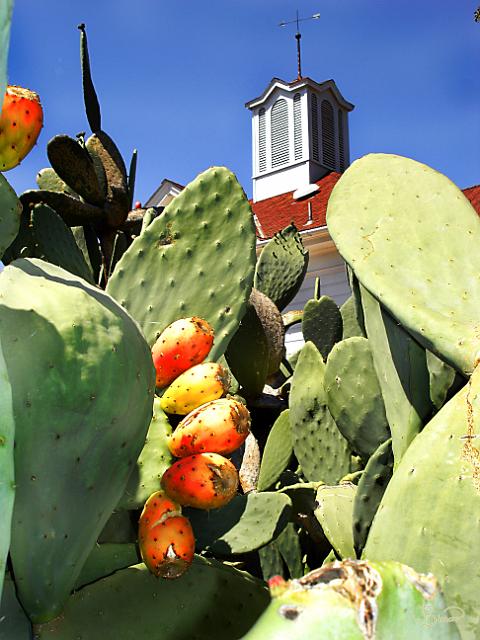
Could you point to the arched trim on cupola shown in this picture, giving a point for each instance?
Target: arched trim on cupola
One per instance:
(341, 141)
(280, 138)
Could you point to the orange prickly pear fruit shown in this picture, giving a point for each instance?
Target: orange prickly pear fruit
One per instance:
(219, 426)
(183, 344)
(168, 548)
(165, 537)
(204, 481)
(194, 387)
(21, 121)
(158, 507)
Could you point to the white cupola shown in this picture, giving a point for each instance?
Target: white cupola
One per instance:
(299, 134)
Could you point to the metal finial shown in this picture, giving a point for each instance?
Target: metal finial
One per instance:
(298, 36)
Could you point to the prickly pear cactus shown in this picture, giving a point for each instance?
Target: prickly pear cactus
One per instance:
(353, 600)
(10, 211)
(196, 259)
(282, 266)
(320, 448)
(7, 472)
(390, 217)
(354, 396)
(439, 478)
(82, 381)
(209, 602)
(5, 20)
(322, 322)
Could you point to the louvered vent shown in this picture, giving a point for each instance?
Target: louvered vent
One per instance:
(341, 141)
(280, 154)
(328, 135)
(297, 126)
(315, 146)
(262, 142)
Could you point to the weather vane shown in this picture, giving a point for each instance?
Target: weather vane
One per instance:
(298, 36)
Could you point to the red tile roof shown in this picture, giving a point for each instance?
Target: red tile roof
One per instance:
(274, 214)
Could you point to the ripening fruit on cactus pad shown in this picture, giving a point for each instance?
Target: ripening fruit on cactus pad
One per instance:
(183, 344)
(168, 548)
(204, 481)
(219, 426)
(194, 387)
(165, 537)
(20, 124)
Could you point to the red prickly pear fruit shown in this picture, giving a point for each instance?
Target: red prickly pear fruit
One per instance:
(138, 204)
(21, 121)
(168, 548)
(183, 344)
(219, 426)
(157, 508)
(200, 384)
(204, 481)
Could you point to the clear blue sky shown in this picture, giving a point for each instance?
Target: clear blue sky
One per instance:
(173, 76)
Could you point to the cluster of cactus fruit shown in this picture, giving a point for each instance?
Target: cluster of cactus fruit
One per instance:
(345, 477)
(214, 427)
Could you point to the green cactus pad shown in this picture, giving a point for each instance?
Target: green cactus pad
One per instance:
(209, 602)
(55, 242)
(257, 348)
(10, 212)
(73, 211)
(72, 164)
(105, 559)
(5, 21)
(370, 490)
(92, 105)
(402, 372)
(443, 380)
(48, 180)
(410, 234)
(14, 624)
(282, 266)
(7, 472)
(108, 162)
(244, 524)
(282, 556)
(354, 396)
(153, 461)
(87, 242)
(82, 404)
(439, 479)
(351, 325)
(322, 324)
(277, 452)
(319, 447)
(353, 600)
(195, 259)
(335, 513)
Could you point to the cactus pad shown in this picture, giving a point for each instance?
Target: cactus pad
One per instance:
(7, 472)
(244, 524)
(196, 259)
(10, 212)
(409, 234)
(282, 266)
(277, 452)
(74, 446)
(354, 396)
(209, 602)
(439, 478)
(319, 447)
(335, 514)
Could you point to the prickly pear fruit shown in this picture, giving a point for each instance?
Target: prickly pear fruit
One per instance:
(194, 387)
(219, 426)
(168, 548)
(204, 481)
(21, 121)
(158, 507)
(183, 344)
